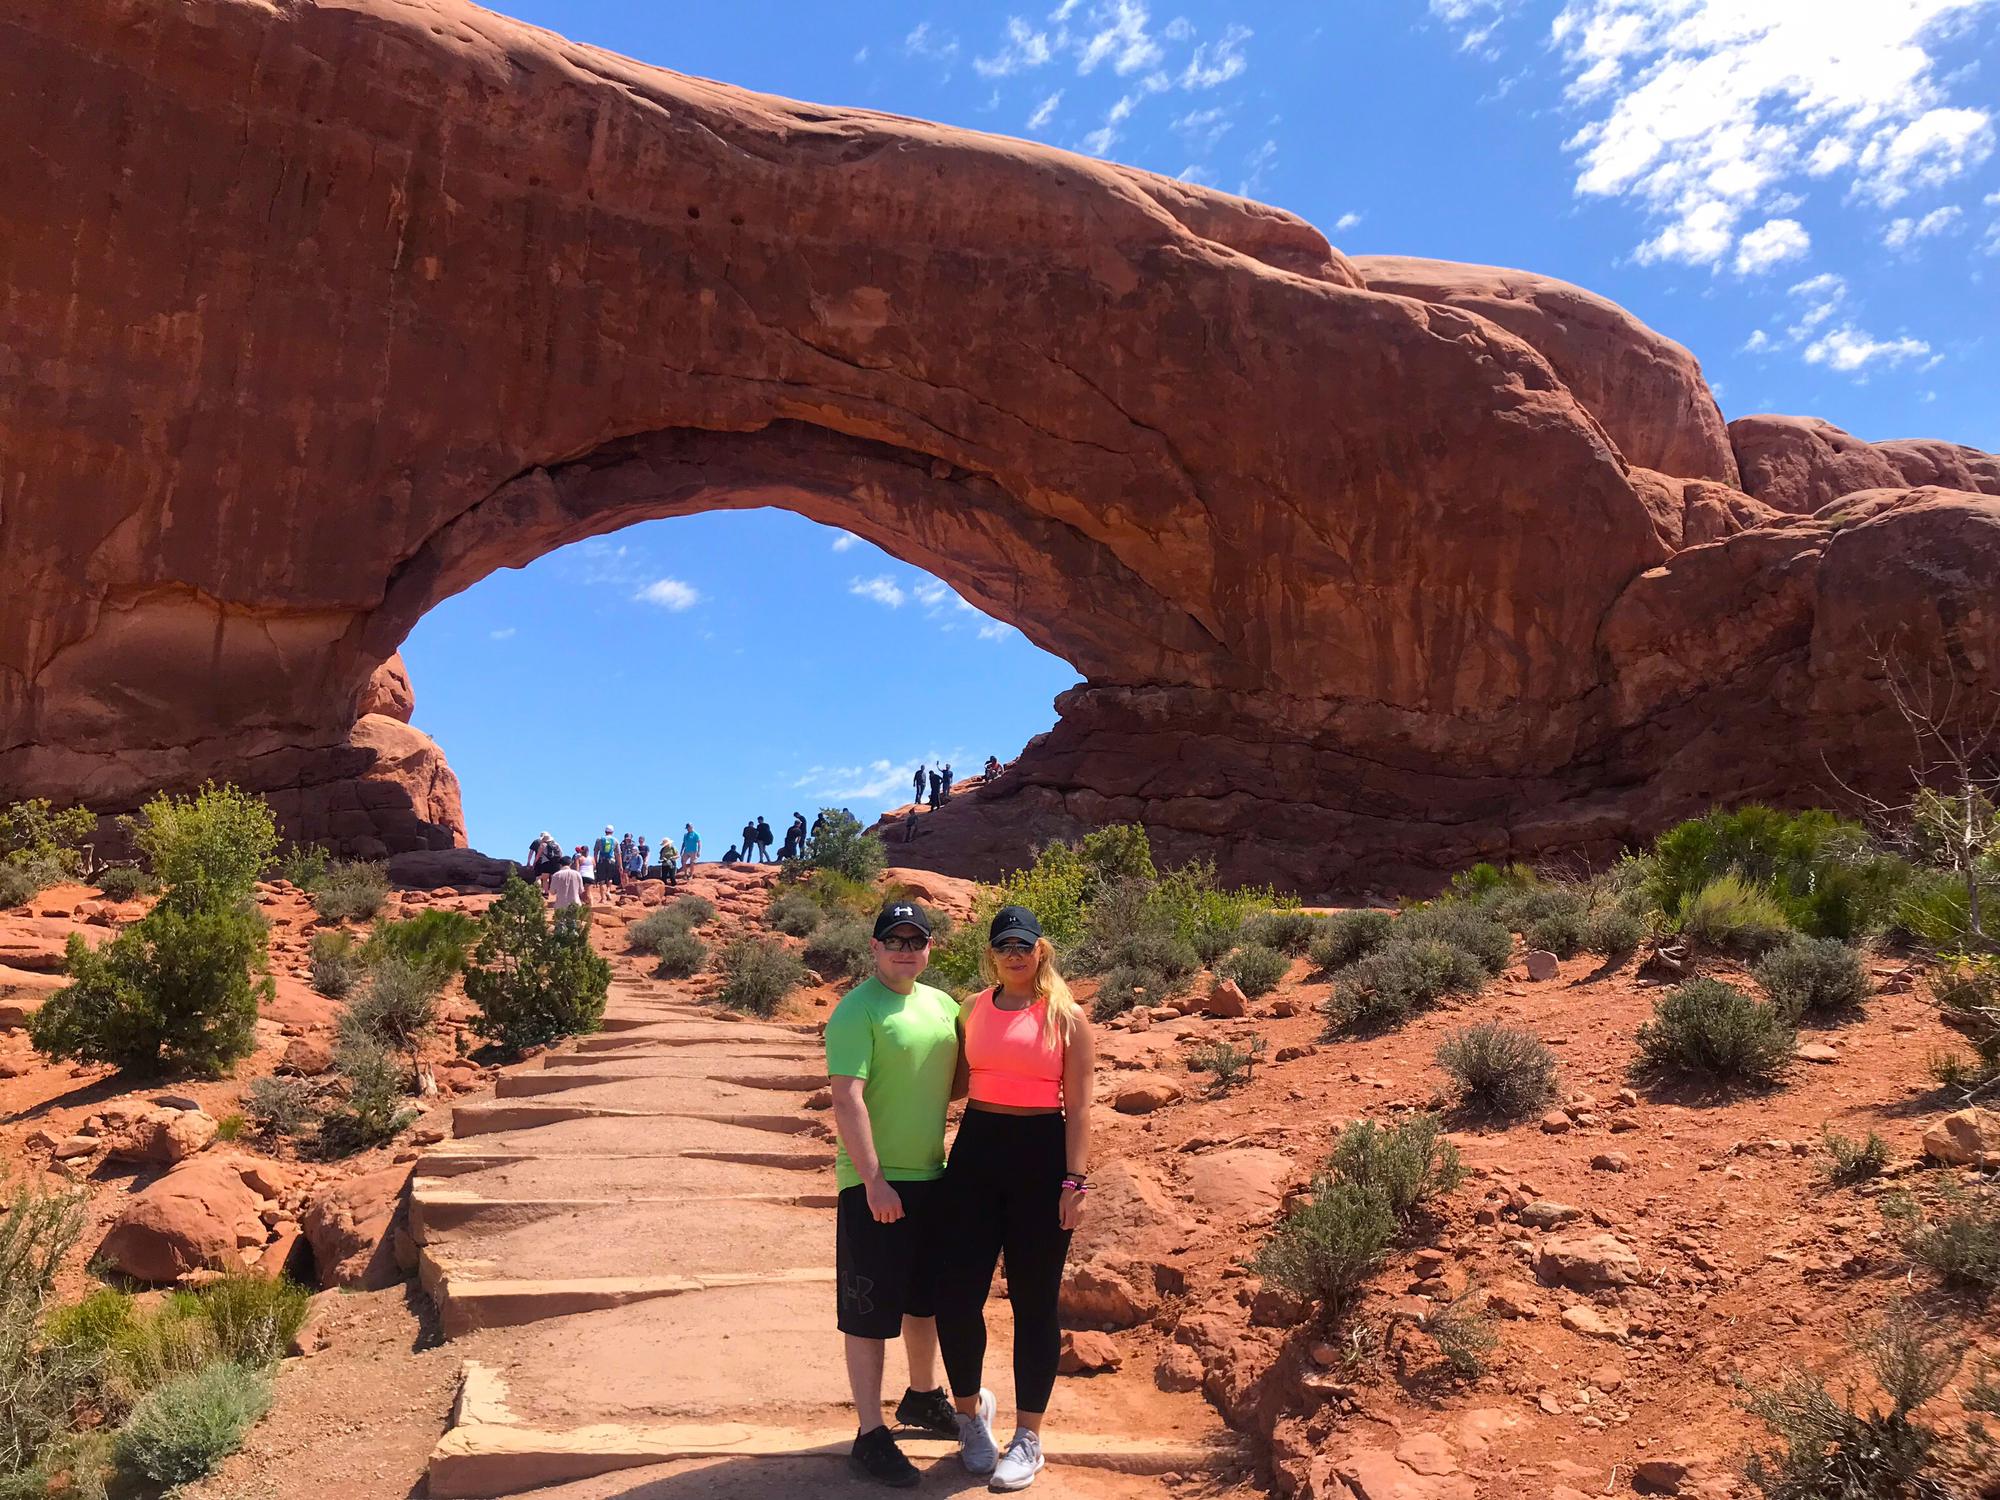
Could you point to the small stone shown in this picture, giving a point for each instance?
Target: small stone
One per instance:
(1547, 1214)
(1623, 1124)
(1085, 1352)
(1550, 1402)
(1144, 1098)
(1555, 1122)
(1592, 1324)
(1965, 1138)
(1817, 1052)
(1178, 1369)
(1542, 965)
(1610, 1161)
(1226, 999)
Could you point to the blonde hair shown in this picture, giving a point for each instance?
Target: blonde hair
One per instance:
(1063, 1013)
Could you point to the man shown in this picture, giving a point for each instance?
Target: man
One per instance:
(763, 841)
(605, 852)
(566, 885)
(749, 844)
(690, 848)
(917, 784)
(910, 825)
(891, 1051)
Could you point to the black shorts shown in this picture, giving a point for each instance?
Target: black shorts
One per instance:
(883, 1272)
(607, 872)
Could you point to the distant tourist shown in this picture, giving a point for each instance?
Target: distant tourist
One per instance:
(910, 825)
(566, 884)
(669, 871)
(645, 858)
(731, 857)
(819, 822)
(580, 862)
(605, 853)
(937, 788)
(763, 841)
(917, 784)
(749, 841)
(944, 784)
(992, 767)
(795, 837)
(690, 848)
(635, 862)
(544, 858)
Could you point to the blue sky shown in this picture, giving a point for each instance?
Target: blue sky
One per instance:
(1804, 192)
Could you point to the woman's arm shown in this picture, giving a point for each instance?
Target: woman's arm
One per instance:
(1079, 1075)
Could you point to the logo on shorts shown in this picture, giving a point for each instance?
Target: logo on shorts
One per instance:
(857, 1292)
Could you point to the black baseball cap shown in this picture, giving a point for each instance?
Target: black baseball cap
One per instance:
(901, 914)
(1013, 922)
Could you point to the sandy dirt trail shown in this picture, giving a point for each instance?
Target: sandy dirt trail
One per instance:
(632, 1249)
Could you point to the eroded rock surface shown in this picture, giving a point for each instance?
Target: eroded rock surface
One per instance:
(325, 312)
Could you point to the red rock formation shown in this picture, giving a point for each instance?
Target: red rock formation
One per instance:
(388, 691)
(393, 294)
(1799, 464)
(1646, 390)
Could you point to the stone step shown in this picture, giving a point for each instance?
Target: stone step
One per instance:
(774, 1076)
(647, 1239)
(612, 1135)
(631, 1176)
(485, 1119)
(467, 1303)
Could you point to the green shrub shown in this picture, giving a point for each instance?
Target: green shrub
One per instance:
(1194, 906)
(1408, 1164)
(254, 1317)
(1326, 1245)
(758, 974)
(681, 955)
(334, 975)
(833, 893)
(1289, 932)
(793, 912)
(282, 1105)
(1830, 1451)
(1488, 881)
(1462, 1331)
(1499, 1071)
(43, 1366)
(183, 1430)
(124, 882)
(177, 990)
(304, 865)
(1934, 908)
(839, 950)
(1709, 1030)
(1210, 943)
(1122, 988)
(1464, 928)
(1613, 932)
(844, 846)
(1822, 874)
(1967, 992)
(231, 1127)
(1957, 1238)
(1730, 915)
(1226, 1063)
(954, 964)
(656, 927)
(533, 980)
(333, 942)
(437, 940)
(208, 849)
(399, 1007)
(1118, 852)
(1561, 906)
(1812, 978)
(695, 911)
(1849, 1161)
(1255, 968)
(373, 1110)
(1348, 937)
(1055, 888)
(36, 831)
(1396, 981)
(23, 879)
(1560, 933)
(351, 891)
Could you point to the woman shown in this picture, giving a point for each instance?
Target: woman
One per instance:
(1015, 1181)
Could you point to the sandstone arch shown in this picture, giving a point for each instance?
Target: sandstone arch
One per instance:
(326, 309)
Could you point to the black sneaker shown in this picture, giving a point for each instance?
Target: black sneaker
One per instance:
(928, 1411)
(875, 1456)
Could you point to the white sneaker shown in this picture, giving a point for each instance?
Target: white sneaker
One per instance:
(1019, 1465)
(976, 1448)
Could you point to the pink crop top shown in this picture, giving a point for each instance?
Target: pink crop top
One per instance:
(1008, 1059)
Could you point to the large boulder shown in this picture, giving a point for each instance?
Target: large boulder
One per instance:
(1801, 464)
(155, 1135)
(200, 1215)
(388, 691)
(351, 1226)
(1645, 389)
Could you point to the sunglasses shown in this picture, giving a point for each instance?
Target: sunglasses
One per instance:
(1013, 945)
(905, 944)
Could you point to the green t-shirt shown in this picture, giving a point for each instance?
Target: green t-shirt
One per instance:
(904, 1048)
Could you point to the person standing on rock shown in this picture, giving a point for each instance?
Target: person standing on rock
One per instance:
(763, 842)
(1015, 1183)
(917, 784)
(891, 1058)
(690, 848)
(605, 854)
(566, 884)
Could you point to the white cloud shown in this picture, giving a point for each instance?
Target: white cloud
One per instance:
(996, 630)
(1700, 112)
(921, 42)
(1101, 140)
(1758, 342)
(1256, 167)
(1774, 242)
(1474, 20)
(1347, 220)
(669, 593)
(1901, 232)
(931, 593)
(1045, 111)
(844, 541)
(1121, 39)
(1848, 348)
(861, 56)
(1193, 172)
(881, 588)
(1202, 128)
(1217, 62)
(1025, 48)
(506, 634)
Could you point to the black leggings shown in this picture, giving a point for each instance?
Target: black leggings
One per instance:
(1003, 1191)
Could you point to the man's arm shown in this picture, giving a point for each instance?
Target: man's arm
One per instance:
(850, 1118)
